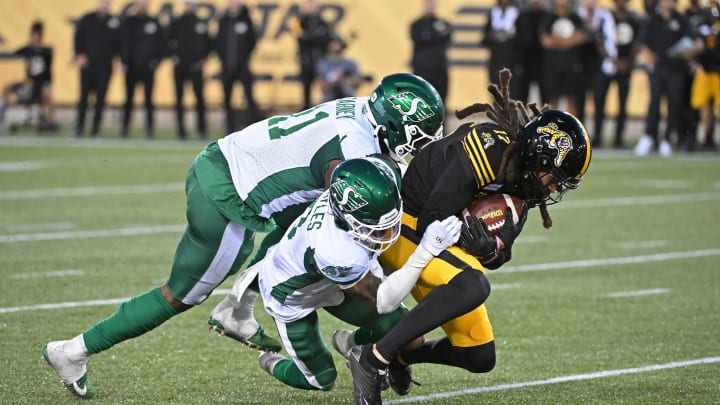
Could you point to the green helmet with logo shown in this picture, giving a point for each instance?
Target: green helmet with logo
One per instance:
(365, 199)
(407, 113)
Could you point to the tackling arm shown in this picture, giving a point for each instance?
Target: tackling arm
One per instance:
(438, 237)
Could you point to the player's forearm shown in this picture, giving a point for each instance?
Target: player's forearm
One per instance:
(393, 290)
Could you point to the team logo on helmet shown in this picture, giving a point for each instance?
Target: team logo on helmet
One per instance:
(559, 140)
(347, 198)
(412, 107)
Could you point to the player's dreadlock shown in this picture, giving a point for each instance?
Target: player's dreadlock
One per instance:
(512, 116)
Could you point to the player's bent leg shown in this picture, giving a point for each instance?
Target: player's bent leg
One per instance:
(476, 359)
(312, 366)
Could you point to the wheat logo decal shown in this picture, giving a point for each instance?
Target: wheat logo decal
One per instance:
(348, 199)
(412, 107)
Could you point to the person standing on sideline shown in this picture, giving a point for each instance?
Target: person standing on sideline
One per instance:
(141, 51)
(529, 51)
(499, 38)
(431, 36)
(668, 41)
(598, 51)
(235, 41)
(313, 39)
(189, 46)
(627, 29)
(97, 42)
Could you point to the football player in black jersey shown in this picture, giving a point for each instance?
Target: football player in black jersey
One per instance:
(537, 155)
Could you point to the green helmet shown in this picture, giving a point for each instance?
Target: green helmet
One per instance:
(365, 199)
(407, 113)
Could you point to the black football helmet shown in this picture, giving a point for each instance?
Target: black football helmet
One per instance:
(553, 143)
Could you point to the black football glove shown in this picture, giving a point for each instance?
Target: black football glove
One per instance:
(476, 239)
(509, 232)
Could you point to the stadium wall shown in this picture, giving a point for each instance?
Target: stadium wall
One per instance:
(381, 45)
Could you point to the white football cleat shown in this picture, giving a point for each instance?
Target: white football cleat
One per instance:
(268, 361)
(69, 358)
(343, 340)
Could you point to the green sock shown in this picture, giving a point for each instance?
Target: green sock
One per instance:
(287, 372)
(133, 318)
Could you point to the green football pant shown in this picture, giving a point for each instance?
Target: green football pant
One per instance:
(312, 366)
(211, 249)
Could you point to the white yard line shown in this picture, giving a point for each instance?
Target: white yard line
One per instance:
(54, 273)
(642, 244)
(638, 200)
(86, 191)
(145, 230)
(533, 267)
(77, 304)
(638, 293)
(561, 379)
(573, 264)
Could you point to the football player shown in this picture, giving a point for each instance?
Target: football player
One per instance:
(325, 260)
(537, 159)
(257, 180)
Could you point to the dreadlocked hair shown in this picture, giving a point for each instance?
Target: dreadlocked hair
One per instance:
(511, 116)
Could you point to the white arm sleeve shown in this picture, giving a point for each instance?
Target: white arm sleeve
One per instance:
(393, 290)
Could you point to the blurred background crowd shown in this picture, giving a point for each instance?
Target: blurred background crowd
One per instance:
(606, 62)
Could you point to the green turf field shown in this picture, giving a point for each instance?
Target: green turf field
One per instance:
(618, 303)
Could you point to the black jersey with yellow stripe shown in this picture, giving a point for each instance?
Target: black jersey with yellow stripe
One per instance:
(448, 174)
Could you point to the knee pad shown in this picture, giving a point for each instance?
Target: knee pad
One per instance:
(480, 359)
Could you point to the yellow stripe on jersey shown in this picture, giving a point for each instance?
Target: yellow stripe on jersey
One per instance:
(476, 153)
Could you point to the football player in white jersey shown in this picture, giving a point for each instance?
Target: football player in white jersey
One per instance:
(327, 258)
(257, 180)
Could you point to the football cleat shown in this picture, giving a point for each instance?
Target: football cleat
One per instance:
(259, 340)
(367, 380)
(70, 366)
(268, 361)
(399, 378)
(343, 340)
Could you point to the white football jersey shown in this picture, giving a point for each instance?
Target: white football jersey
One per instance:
(311, 265)
(280, 161)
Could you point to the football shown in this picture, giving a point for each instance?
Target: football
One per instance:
(491, 210)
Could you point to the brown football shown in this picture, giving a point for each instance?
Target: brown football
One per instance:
(491, 210)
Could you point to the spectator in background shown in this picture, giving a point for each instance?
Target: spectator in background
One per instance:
(97, 42)
(499, 38)
(562, 35)
(235, 41)
(690, 117)
(142, 48)
(37, 86)
(189, 46)
(530, 52)
(431, 36)
(706, 84)
(313, 37)
(338, 75)
(598, 52)
(667, 40)
(627, 29)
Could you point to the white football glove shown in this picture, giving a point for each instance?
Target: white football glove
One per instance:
(440, 235)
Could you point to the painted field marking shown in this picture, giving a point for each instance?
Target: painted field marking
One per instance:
(610, 261)
(90, 191)
(54, 273)
(639, 201)
(638, 293)
(643, 244)
(561, 379)
(145, 230)
(79, 304)
(21, 166)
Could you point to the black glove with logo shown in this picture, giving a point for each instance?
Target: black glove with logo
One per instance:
(476, 239)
